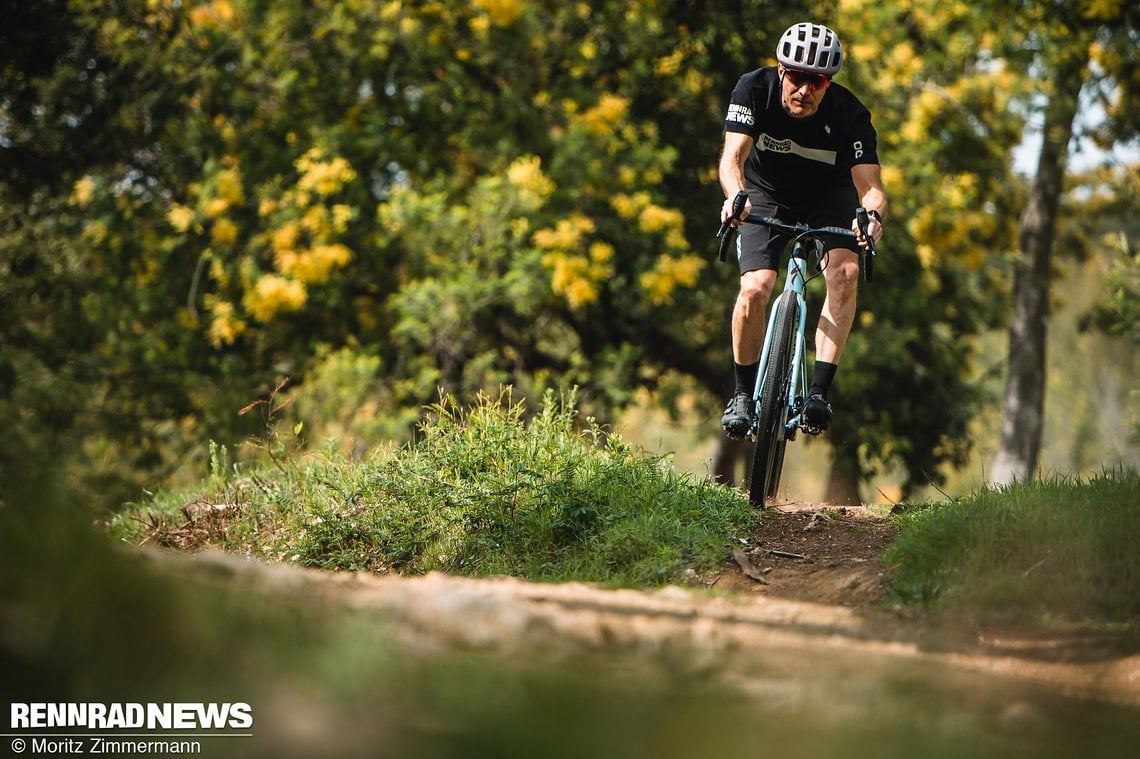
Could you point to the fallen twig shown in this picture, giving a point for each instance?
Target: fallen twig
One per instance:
(787, 555)
(748, 567)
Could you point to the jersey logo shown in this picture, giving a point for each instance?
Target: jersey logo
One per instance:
(740, 114)
(771, 144)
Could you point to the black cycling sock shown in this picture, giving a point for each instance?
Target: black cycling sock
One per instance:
(821, 377)
(746, 377)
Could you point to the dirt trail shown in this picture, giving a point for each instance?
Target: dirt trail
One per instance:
(806, 607)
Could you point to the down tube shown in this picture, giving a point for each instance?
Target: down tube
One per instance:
(798, 352)
(764, 353)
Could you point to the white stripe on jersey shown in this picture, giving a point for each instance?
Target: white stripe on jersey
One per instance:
(764, 142)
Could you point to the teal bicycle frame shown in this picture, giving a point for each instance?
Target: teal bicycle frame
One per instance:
(781, 383)
(795, 286)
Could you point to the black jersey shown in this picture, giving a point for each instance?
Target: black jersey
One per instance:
(795, 159)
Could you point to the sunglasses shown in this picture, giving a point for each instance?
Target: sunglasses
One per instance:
(800, 78)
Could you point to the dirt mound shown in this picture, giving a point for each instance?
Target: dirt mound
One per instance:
(811, 552)
(807, 587)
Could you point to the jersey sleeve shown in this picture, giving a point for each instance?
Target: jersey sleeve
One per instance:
(861, 144)
(741, 116)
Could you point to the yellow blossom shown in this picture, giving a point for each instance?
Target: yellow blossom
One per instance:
(286, 236)
(581, 293)
(312, 266)
(670, 64)
(229, 186)
(629, 206)
(654, 218)
(216, 207)
(669, 274)
(1102, 10)
(893, 179)
(601, 252)
(225, 328)
(315, 221)
(216, 14)
(323, 260)
(323, 177)
(341, 215)
(390, 10)
(500, 12)
(566, 235)
(218, 272)
(526, 174)
(83, 192)
(180, 217)
(924, 111)
(601, 119)
(224, 232)
(273, 295)
(576, 277)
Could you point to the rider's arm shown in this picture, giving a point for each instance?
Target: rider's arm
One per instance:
(737, 146)
(868, 181)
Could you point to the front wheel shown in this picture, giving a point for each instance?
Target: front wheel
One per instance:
(773, 408)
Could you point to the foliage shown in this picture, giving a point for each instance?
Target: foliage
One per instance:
(1052, 551)
(198, 199)
(1118, 310)
(481, 492)
(941, 107)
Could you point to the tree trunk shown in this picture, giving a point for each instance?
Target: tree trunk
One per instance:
(843, 480)
(727, 458)
(1023, 411)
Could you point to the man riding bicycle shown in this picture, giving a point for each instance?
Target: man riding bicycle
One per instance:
(804, 150)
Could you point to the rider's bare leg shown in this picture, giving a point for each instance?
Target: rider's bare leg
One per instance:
(842, 277)
(748, 315)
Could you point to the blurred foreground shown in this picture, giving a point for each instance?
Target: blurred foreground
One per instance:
(355, 665)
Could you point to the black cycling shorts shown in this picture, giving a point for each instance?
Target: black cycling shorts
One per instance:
(760, 247)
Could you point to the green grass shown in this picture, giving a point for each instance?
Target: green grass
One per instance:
(483, 491)
(1048, 551)
(85, 623)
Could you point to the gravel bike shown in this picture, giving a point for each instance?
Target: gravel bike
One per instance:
(781, 384)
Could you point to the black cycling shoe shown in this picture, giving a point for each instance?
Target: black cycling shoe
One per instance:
(816, 414)
(738, 416)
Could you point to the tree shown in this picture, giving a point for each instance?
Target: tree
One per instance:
(1059, 45)
(452, 195)
(941, 108)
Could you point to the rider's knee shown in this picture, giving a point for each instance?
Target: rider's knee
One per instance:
(844, 275)
(756, 287)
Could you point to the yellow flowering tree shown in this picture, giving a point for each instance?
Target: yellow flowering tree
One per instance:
(200, 197)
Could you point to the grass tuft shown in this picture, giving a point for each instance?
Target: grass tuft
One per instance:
(483, 491)
(1057, 549)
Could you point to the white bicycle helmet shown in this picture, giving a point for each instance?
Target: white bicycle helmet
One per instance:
(810, 47)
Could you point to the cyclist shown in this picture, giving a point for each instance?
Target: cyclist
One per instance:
(804, 150)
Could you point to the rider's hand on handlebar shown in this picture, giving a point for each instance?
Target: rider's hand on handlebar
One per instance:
(726, 211)
(874, 229)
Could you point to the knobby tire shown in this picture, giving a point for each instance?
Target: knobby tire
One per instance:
(772, 409)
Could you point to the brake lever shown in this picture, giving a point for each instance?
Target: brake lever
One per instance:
(863, 219)
(722, 234)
